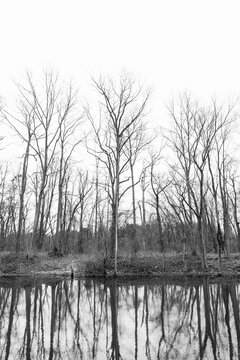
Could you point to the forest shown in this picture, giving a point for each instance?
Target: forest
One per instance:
(98, 177)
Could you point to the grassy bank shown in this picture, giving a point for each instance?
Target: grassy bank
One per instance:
(143, 264)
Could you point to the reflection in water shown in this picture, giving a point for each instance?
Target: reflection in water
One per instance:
(90, 319)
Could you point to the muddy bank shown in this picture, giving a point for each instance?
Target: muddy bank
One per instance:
(150, 264)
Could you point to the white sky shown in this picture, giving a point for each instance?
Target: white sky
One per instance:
(171, 45)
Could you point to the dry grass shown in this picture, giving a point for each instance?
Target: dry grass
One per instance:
(151, 263)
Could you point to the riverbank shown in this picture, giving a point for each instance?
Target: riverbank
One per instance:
(142, 264)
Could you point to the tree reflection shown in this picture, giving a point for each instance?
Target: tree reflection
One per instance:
(136, 319)
(235, 305)
(115, 351)
(91, 319)
(10, 324)
(53, 320)
(147, 344)
(225, 295)
(28, 322)
(208, 321)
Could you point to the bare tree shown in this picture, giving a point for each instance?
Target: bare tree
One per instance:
(84, 192)
(223, 170)
(220, 165)
(69, 125)
(7, 206)
(235, 199)
(142, 203)
(137, 142)
(123, 108)
(181, 141)
(194, 132)
(50, 107)
(158, 186)
(23, 127)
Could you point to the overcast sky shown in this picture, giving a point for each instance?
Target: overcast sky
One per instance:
(171, 45)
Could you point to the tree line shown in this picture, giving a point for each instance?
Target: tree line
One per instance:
(96, 177)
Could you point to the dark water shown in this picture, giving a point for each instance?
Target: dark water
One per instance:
(93, 319)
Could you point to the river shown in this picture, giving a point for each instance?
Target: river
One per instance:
(117, 319)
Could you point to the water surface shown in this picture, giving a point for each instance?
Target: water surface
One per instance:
(141, 319)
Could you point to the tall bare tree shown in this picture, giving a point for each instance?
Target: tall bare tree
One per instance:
(123, 107)
(193, 137)
(50, 107)
(136, 144)
(69, 126)
(84, 192)
(23, 126)
(235, 201)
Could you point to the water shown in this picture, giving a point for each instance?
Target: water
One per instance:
(93, 319)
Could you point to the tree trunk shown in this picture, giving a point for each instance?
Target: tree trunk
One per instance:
(57, 242)
(28, 322)
(135, 245)
(143, 212)
(21, 198)
(114, 316)
(202, 242)
(116, 209)
(80, 237)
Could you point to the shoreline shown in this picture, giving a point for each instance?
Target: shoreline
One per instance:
(141, 265)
